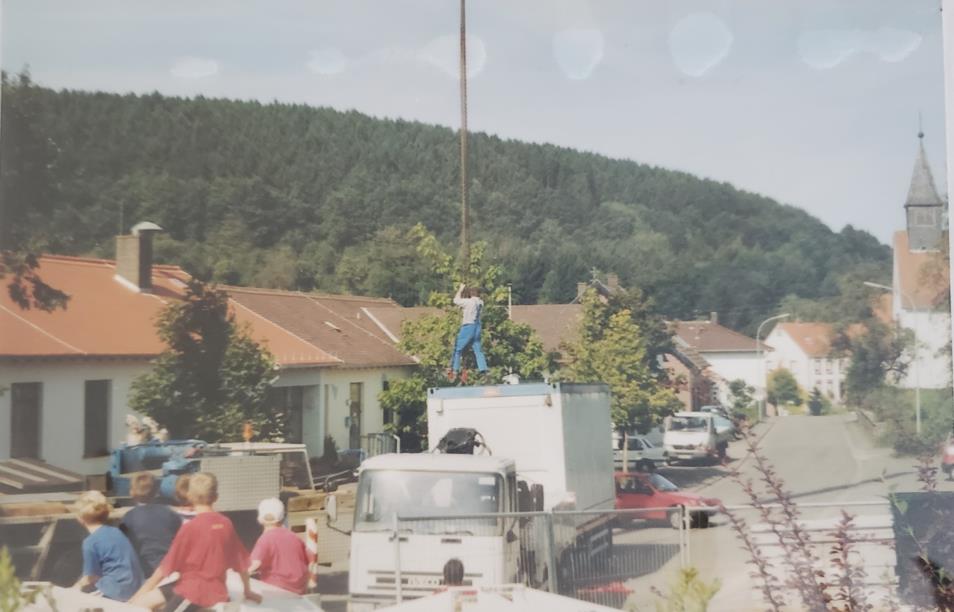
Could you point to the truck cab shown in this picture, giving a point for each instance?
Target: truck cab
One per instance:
(529, 449)
(428, 491)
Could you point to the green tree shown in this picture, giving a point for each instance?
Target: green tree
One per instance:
(877, 356)
(741, 394)
(26, 194)
(783, 388)
(212, 378)
(510, 347)
(612, 349)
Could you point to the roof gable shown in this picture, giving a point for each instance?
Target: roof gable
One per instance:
(814, 339)
(710, 337)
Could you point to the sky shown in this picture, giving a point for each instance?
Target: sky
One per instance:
(812, 102)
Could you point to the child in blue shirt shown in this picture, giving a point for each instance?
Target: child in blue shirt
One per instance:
(110, 565)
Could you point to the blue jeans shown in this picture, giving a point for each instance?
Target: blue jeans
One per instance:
(469, 334)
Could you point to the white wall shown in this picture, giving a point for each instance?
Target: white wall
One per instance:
(933, 367)
(827, 374)
(732, 365)
(336, 390)
(62, 406)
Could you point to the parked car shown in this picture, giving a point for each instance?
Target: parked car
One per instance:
(636, 490)
(715, 409)
(641, 454)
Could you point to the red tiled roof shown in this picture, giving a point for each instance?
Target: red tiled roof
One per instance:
(104, 316)
(706, 336)
(107, 317)
(336, 323)
(555, 324)
(813, 338)
(915, 272)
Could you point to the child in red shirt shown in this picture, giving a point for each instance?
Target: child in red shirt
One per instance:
(279, 556)
(202, 552)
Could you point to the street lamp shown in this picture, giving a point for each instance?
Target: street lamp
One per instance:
(758, 355)
(914, 329)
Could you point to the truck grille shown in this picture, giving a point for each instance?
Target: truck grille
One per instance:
(683, 446)
(413, 584)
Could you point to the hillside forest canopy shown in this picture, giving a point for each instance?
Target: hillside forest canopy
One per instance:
(296, 197)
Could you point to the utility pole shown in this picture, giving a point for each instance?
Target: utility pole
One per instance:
(465, 205)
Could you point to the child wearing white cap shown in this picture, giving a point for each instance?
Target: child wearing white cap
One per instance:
(279, 556)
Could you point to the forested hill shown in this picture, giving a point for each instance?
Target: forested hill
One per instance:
(302, 197)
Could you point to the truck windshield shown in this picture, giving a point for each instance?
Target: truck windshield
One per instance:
(436, 497)
(689, 423)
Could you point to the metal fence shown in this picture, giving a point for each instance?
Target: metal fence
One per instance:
(627, 558)
(380, 443)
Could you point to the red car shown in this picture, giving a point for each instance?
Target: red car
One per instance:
(635, 490)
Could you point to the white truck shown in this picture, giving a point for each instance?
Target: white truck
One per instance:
(696, 436)
(545, 449)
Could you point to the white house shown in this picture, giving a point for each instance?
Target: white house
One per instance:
(65, 375)
(804, 349)
(730, 355)
(918, 285)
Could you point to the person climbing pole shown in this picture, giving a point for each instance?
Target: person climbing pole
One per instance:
(468, 299)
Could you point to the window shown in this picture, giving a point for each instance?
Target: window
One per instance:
(290, 401)
(828, 366)
(354, 410)
(923, 217)
(817, 364)
(388, 416)
(96, 418)
(26, 409)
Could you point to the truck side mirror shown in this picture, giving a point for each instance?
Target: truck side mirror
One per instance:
(331, 508)
(536, 493)
(524, 497)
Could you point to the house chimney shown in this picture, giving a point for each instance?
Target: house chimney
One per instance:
(612, 281)
(714, 317)
(134, 255)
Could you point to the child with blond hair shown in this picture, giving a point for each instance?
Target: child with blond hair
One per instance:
(279, 556)
(110, 565)
(202, 553)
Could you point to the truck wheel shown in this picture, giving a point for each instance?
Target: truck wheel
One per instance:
(669, 460)
(675, 517)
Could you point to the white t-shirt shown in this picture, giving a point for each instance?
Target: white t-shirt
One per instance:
(471, 307)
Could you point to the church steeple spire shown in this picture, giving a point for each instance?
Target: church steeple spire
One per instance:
(924, 207)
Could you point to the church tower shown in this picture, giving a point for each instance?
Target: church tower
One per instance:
(924, 208)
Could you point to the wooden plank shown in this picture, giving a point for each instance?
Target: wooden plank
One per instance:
(37, 572)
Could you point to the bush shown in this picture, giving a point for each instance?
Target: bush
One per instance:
(895, 407)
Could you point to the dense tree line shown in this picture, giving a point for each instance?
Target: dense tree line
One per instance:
(294, 196)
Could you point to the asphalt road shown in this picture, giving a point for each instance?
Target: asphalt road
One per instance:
(829, 465)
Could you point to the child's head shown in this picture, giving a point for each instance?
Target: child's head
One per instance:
(271, 512)
(182, 489)
(473, 292)
(92, 508)
(142, 487)
(453, 573)
(203, 489)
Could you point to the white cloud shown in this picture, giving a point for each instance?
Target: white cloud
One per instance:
(698, 43)
(578, 51)
(194, 68)
(826, 49)
(444, 53)
(327, 61)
